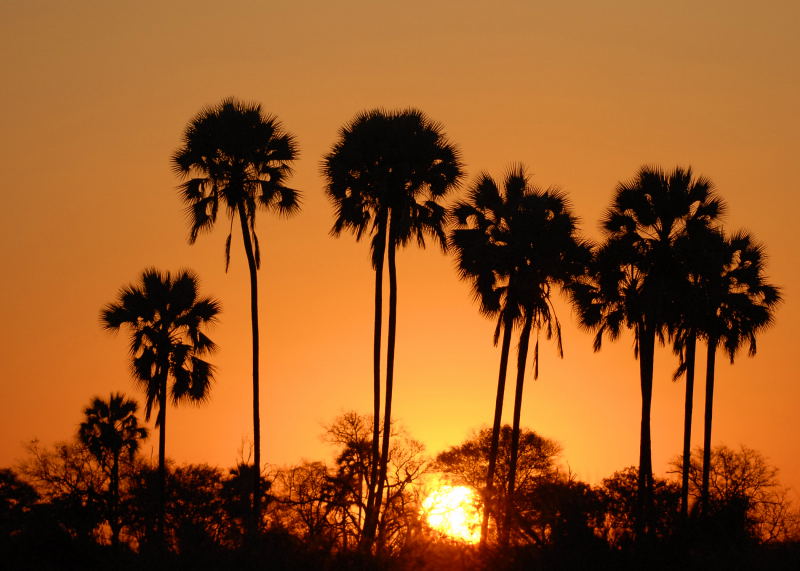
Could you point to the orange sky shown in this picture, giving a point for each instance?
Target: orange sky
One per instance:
(96, 96)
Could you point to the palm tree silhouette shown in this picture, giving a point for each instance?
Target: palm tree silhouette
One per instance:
(235, 156)
(698, 251)
(637, 276)
(514, 246)
(384, 176)
(741, 304)
(110, 430)
(166, 320)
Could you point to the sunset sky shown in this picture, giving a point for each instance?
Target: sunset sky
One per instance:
(95, 99)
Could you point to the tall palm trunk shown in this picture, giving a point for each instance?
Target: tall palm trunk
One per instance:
(710, 363)
(387, 411)
(647, 345)
(691, 348)
(371, 513)
(162, 459)
(251, 263)
(498, 413)
(522, 357)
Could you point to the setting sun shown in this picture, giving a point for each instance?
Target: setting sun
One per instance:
(454, 512)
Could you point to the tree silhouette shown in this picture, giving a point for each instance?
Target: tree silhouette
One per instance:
(745, 497)
(698, 251)
(637, 276)
(514, 246)
(166, 320)
(110, 430)
(236, 156)
(384, 176)
(468, 462)
(741, 304)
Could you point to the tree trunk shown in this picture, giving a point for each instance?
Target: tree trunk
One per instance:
(691, 347)
(162, 461)
(387, 412)
(114, 522)
(371, 512)
(251, 263)
(647, 342)
(498, 413)
(522, 357)
(710, 362)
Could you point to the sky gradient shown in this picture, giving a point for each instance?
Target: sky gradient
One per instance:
(95, 100)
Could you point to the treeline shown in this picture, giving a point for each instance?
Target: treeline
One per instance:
(93, 503)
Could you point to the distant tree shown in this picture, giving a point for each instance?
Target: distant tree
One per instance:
(68, 479)
(196, 514)
(17, 498)
(746, 499)
(636, 280)
(620, 496)
(207, 508)
(235, 156)
(166, 319)
(326, 506)
(385, 176)
(307, 503)
(110, 431)
(466, 464)
(563, 514)
(237, 493)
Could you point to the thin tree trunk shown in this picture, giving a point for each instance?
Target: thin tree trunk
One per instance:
(371, 513)
(251, 263)
(647, 342)
(495, 444)
(710, 362)
(115, 503)
(162, 462)
(387, 413)
(691, 347)
(522, 357)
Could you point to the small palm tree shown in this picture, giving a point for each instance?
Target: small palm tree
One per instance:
(741, 304)
(636, 280)
(111, 430)
(236, 157)
(515, 246)
(385, 176)
(166, 319)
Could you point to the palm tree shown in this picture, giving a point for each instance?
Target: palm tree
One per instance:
(741, 304)
(384, 176)
(637, 276)
(235, 156)
(550, 255)
(698, 252)
(110, 430)
(514, 246)
(166, 319)
(482, 248)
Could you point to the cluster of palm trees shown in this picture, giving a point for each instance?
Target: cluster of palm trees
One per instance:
(665, 270)
(515, 245)
(385, 176)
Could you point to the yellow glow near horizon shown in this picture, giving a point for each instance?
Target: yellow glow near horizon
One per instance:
(454, 512)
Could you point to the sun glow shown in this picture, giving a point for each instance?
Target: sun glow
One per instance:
(454, 512)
